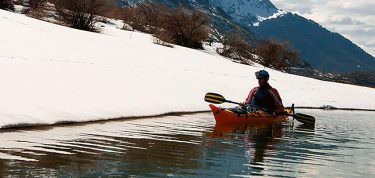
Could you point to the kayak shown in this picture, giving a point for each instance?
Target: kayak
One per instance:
(236, 116)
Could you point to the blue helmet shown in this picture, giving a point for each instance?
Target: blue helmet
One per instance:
(262, 74)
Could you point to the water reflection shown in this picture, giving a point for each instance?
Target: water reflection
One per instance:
(192, 146)
(304, 127)
(257, 139)
(139, 147)
(259, 142)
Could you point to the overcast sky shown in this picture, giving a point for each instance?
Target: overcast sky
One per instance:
(354, 19)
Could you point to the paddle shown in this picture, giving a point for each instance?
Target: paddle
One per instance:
(219, 99)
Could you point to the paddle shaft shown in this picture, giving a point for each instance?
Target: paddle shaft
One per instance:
(229, 101)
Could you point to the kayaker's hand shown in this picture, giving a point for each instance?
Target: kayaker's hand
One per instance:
(284, 113)
(241, 106)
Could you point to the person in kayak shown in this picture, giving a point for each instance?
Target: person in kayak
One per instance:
(264, 97)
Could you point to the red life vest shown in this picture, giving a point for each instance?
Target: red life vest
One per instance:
(267, 98)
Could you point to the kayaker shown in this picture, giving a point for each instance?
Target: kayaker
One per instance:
(264, 97)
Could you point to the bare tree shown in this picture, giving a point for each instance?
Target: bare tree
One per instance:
(235, 47)
(178, 26)
(36, 4)
(187, 28)
(37, 8)
(7, 5)
(115, 13)
(153, 16)
(130, 17)
(81, 14)
(276, 55)
(146, 17)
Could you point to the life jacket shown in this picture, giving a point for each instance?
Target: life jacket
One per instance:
(266, 98)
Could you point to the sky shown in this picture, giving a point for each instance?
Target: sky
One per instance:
(354, 19)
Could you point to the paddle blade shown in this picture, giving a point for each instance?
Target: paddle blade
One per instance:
(214, 98)
(304, 118)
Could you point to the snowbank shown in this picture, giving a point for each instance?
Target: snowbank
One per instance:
(50, 73)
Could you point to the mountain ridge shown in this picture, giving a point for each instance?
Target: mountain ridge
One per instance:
(261, 19)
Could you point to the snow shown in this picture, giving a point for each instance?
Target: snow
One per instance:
(277, 14)
(51, 74)
(243, 9)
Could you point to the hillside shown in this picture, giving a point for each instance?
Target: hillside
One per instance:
(52, 74)
(260, 19)
(321, 48)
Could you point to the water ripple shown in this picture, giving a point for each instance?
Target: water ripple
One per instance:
(340, 145)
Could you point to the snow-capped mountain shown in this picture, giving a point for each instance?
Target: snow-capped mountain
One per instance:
(260, 19)
(236, 9)
(247, 10)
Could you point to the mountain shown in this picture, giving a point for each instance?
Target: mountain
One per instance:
(260, 19)
(245, 10)
(321, 48)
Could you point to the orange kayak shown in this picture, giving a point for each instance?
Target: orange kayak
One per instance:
(230, 116)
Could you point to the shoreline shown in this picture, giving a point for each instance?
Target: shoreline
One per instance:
(21, 126)
(333, 108)
(17, 127)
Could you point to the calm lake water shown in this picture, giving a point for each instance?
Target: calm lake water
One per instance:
(342, 144)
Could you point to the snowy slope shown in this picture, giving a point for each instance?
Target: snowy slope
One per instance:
(50, 73)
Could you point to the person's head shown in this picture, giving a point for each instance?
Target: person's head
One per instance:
(262, 77)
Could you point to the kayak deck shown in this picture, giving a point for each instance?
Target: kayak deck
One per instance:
(227, 116)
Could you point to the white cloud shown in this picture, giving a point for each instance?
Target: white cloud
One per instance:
(354, 19)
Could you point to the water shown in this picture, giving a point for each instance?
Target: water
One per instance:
(342, 144)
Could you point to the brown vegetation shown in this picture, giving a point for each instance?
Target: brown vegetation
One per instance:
(146, 17)
(37, 9)
(152, 16)
(365, 78)
(36, 4)
(81, 14)
(187, 28)
(179, 25)
(235, 47)
(276, 55)
(7, 5)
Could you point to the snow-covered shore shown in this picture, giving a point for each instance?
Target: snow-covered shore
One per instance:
(50, 73)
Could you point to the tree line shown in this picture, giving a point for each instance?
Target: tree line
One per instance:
(169, 26)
